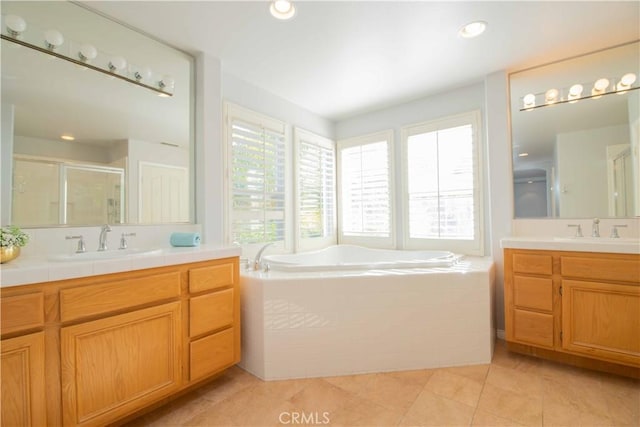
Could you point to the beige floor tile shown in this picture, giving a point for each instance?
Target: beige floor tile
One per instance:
(520, 362)
(473, 372)
(362, 412)
(353, 383)
(455, 387)
(510, 405)
(429, 409)
(391, 392)
(320, 396)
(486, 419)
(572, 393)
(624, 410)
(525, 383)
(418, 377)
(558, 415)
(230, 382)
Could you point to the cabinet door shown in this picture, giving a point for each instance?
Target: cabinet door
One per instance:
(601, 320)
(114, 366)
(22, 370)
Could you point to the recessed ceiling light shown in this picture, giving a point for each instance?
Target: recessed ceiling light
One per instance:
(523, 154)
(473, 29)
(67, 137)
(282, 9)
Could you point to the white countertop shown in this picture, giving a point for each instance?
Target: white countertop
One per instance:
(25, 270)
(579, 244)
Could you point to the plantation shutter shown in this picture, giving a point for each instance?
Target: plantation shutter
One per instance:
(365, 196)
(258, 183)
(316, 189)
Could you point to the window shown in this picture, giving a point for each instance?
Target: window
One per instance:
(365, 190)
(442, 184)
(315, 192)
(257, 167)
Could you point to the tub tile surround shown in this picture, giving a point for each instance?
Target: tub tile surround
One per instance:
(33, 265)
(300, 325)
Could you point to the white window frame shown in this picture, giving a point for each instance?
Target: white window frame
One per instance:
(305, 244)
(235, 112)
(387, 242)
(469, 247)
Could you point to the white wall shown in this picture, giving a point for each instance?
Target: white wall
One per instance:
(461, 100)
(582, 169)
(67, 150)
(530, 199)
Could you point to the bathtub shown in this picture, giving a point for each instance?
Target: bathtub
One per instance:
(338, 319)
(349, 257)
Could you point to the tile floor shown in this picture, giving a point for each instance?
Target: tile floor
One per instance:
(513, 390)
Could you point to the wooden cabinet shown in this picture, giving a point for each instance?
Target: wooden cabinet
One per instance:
(106, 347)
(22, 373)
(568, 304)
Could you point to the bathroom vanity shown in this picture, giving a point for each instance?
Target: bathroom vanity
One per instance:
(569, 303)
(94, 350)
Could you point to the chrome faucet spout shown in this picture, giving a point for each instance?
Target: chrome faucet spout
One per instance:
(258, 260)
(595, 228)
(102, 241)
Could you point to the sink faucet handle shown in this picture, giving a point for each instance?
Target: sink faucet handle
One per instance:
(81, 246)
(578, 229)
(123, 240)
(595, 229)
(614, 230)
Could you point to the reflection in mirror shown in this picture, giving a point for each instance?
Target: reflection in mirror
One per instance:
(577, 156)
(89, 148)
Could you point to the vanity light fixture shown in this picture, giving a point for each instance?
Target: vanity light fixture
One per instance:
(282, 9)
(53, 39)
(117, 63)
(472, 29)
(15, 25)
(87, 52)
(84, 55)
(602, 86)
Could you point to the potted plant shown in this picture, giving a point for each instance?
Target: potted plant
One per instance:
(11, 240)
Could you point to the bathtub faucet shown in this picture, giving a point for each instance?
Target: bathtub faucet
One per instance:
(257, 263)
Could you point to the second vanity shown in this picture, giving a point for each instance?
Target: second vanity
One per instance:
(575, 301)
(94, 350)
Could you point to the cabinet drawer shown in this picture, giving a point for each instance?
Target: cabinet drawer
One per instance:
(532, 263)
(533, 328)
(209, 278)
(210, 354)
(210, 312)
(101, 298)
(22, 312)
(533, 292)
(625, 270)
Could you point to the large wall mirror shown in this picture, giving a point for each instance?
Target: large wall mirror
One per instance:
(82, 147)
(575, 136)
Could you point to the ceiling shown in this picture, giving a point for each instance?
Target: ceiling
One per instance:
(339, 59)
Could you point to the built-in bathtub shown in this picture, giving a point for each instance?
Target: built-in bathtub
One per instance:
(340, 321)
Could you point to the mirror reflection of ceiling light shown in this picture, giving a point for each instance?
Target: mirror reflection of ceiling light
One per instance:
(529, 100)
(575, 92)
(15, 25)
(473, 29)
(282, 9)
(67, 137)
(53, 39)
(551, 96)
(599, 87)
(523, 154)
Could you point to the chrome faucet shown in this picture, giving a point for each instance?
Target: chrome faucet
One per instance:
(595, 229)
(102, 242)
(257, 262)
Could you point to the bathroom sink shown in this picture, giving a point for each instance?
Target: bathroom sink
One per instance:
(104, 255)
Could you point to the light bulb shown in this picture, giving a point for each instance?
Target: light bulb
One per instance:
(626, 81)
(143, 74)
(117, 63)
(529, 100)
(575, 92)
(167, 83)
(15, 25)
(282, 9)
(473, 29)
(601, 84)
(87, 52)
(551, 96)
(53, 39)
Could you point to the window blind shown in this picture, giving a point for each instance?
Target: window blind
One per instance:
(365, 192)
(316, 189)
(258, 183)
